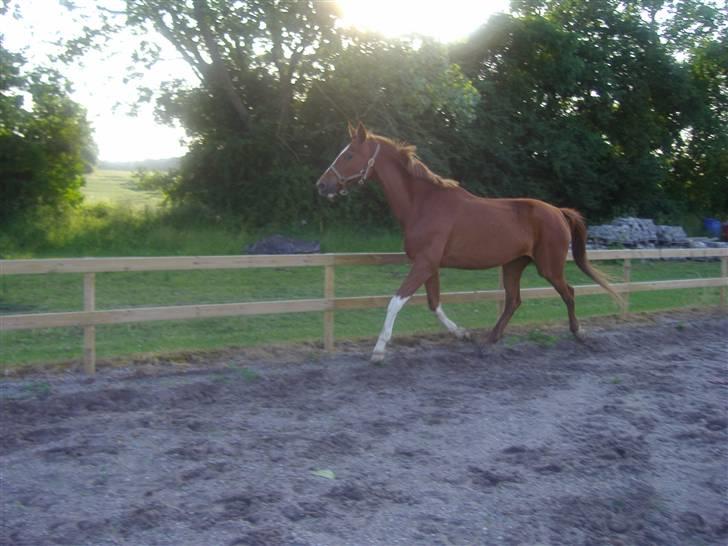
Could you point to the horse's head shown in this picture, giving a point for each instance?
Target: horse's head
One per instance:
(353, 164)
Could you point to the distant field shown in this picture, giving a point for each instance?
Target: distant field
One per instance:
(118, 188)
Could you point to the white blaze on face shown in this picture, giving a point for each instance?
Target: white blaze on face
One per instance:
(342, 152)
(346, 148)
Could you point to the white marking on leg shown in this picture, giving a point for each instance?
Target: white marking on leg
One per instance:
(450, 325)
(395, 304)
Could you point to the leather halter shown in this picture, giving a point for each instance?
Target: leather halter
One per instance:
(362, 175)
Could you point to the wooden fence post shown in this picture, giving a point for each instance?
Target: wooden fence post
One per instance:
(89, 332)
(329, 294)
(627, 277)
(724, 274)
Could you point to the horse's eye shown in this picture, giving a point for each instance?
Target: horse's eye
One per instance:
(348, 157)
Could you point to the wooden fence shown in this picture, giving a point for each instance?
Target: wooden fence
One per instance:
(90, 316)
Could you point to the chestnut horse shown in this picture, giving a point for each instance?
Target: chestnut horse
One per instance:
(446, 226)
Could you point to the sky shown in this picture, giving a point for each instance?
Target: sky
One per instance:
(98, 79)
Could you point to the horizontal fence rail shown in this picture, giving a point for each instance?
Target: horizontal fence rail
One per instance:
(189, 263)
(89, 318)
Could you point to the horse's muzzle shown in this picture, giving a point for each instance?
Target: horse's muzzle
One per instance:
(327, 187)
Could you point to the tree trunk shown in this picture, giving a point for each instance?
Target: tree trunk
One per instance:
(219, 71)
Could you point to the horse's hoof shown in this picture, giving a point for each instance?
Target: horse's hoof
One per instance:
(462, 333)
(581, 336)
(377, 358)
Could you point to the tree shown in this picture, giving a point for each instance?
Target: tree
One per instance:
(406, 89)
(584, 103)
(700, 169)
(606, 105)
(261, 122)
(254, 60)
(45, 146)
(662, 63)
(241, 51)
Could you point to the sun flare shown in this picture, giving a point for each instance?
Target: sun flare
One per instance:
(446, 21)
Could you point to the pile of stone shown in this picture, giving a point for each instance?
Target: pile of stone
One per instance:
(636, 233)
(631, 232)
(672, 236)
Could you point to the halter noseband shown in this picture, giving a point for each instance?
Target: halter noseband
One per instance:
(362, 175)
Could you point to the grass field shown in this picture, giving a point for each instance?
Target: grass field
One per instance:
(117, 188)
(63, 292)
(122, 221)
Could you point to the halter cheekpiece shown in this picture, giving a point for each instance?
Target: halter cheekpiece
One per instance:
(362, 175)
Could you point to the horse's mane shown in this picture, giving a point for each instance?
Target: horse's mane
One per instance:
(413, 164)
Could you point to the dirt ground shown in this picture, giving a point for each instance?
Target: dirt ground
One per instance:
(619, 441)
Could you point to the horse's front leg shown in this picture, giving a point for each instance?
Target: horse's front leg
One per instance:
(420, 272)
(432, 285)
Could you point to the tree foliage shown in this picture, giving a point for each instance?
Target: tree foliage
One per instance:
(46, 143)
(585, 106)
(278, 82)
(653, 86)
(606, 105)
(701, 164)
(407, 90)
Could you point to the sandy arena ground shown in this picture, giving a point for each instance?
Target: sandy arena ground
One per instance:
(619, 441)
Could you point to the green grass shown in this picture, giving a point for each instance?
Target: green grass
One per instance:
(135, 225)
(63, 292)
(118, 188)
(101, 231)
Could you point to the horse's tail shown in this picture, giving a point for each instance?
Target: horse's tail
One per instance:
(578, 251)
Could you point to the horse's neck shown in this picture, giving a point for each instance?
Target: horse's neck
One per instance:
(397, 186)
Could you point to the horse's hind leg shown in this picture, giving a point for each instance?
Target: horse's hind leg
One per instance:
(433, 300)
(512, 272)
(566, 291)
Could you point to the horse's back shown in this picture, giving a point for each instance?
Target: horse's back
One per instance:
(488, 232)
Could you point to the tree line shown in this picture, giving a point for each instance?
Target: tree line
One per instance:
(607, 106)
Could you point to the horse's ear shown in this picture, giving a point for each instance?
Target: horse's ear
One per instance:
(351, 129)
(361, 132)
